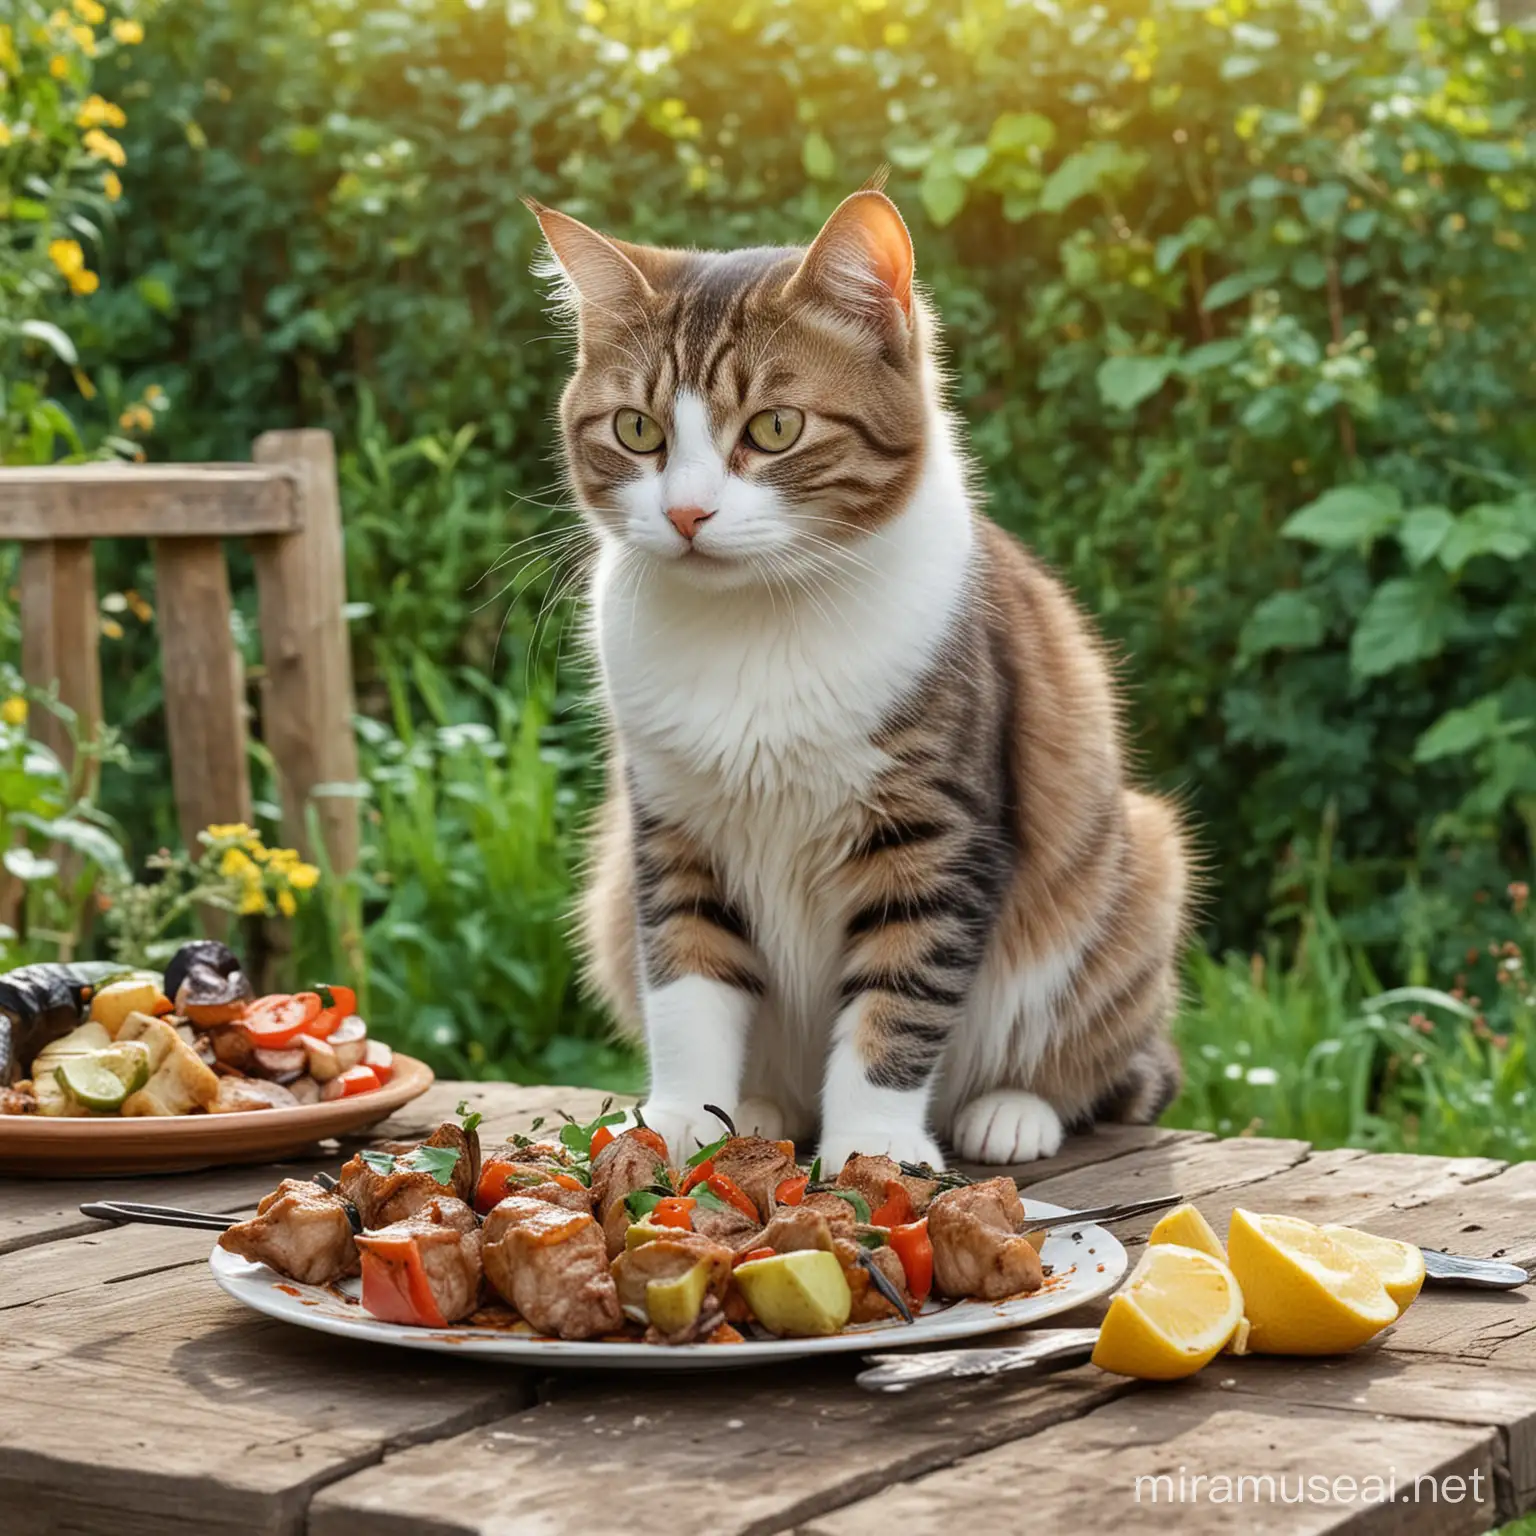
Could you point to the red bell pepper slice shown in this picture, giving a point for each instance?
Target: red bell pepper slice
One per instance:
(600, 1139)
(792, 1190)
(913, 1247)
(674, 1211)
(750, 1255)
(343, 1006)
(395, 1286)
(698, 1175)
(898, 1209)
(732, 1193)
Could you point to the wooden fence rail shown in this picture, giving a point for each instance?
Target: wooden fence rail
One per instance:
(286, 505)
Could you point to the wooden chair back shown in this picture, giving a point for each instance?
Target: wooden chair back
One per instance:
(285, 504)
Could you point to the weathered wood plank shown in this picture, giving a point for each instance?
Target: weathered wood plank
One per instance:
(1083, 1476)
(307, 700)
(45, 1211)
(204, 686)
(135, 1397)
(1103, 1144)
(59, 636)
(104, 501)
(730, 1455)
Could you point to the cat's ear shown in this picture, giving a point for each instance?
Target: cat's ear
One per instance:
(591, 265)
(861, 262)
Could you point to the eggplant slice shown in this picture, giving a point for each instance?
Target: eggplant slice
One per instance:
(38, 1004)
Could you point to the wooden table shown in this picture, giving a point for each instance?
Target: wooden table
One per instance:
(136, 1397)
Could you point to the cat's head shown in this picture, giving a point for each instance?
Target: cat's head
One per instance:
(739, 416)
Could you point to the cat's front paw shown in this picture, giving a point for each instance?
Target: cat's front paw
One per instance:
(760, 1117)
(683, 1130)
(840, 1143)
(1007, 1126)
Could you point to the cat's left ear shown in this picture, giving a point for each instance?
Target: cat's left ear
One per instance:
(861, 262)
(592, 264)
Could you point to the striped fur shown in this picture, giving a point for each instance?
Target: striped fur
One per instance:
(868, 859)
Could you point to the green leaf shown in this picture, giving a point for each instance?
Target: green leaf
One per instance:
(156, 293)
(1083, 172)
(970, 160)
(1360, 224)
(380, 1162)
(1209, 356)
(1323, 203)
(856, 1200)
(1124, 382)
(1407, 619)
(1422, 532)
(91, 842)
(707, 1199)
(50, 335)
(817, 157)
(1506, 529)
(437, 1161)
(1459, 731)
(942, 190)
(1239, 285)
(1020, 132)
(642, 1203)
(704, 1154)
(1283, 621)
(469, 1121)
(1345, 516)
(1309, 271)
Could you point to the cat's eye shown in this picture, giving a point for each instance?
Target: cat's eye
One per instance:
(637, 431)
(775, 430)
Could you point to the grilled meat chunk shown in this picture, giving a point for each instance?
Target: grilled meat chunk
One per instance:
(977, 1246)
(552, 1266)
(757, 1168)
(629, 1162)
(301, 1231)
(670, 1258)
(385, 1198)
(872, 1176)
(438, 1247)
(501, 1177)
(728, 1226)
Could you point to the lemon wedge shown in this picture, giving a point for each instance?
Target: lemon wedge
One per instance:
(1304, 1293)
(1178, 1308)
(1186, 1227)
(1399, 1266)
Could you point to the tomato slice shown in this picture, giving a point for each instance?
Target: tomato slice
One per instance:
(650, 1139)
(676, 1211)
(792, 1190)
(395, 1286)
(343, 1006)
(274, 1020)
(354, 1080)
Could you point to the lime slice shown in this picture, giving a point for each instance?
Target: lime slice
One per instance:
(102, 1080)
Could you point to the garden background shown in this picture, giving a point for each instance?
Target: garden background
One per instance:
(1241, 307)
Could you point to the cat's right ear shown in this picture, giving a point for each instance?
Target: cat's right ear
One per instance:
(860, 263)
(595, 270)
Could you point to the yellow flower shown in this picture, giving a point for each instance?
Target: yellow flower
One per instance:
(104, 147)
(221, 830)
(112, 629)
(136, 418)
(127, 31)
(236, 864)
(96, 110)
(252, 901)
(83, 384)
(91, 11)
(67, 256)
(303, 877)
(85, 40)
(153, 393)
(14, 710)
(112, 186)
(897, 33)
(58, 66)
(5, 135)
(286, 904)
(8, 59)
(698, 177)
(84, 282)
(594, 12)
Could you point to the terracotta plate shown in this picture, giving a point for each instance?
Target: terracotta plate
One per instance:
(43, 1146)
(1086, 1262)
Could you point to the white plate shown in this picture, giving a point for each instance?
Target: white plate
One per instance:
(1085, 1263)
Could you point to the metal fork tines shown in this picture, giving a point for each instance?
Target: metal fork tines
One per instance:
(157, 1215)
(1121, 1210)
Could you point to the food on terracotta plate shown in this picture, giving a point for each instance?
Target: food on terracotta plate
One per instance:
(594, 1233)
(102, 1039)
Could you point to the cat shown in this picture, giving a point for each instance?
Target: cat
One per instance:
(868, 861)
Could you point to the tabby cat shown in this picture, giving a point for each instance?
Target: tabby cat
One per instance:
(868, 860)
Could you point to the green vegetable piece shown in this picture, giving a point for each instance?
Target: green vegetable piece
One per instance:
(102, 1080)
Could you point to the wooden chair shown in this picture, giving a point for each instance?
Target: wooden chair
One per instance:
(285, 504)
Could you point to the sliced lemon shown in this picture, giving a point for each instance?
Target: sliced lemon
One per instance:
(1185, 1226)
(1399, 1266)
(1178, 1308)
(1304, 1293)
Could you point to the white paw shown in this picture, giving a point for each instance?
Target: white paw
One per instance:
(760, 1117)
(839, 1143)
(1008, 1126)
(684, 1130)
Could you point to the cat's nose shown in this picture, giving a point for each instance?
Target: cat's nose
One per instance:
(688, 520)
